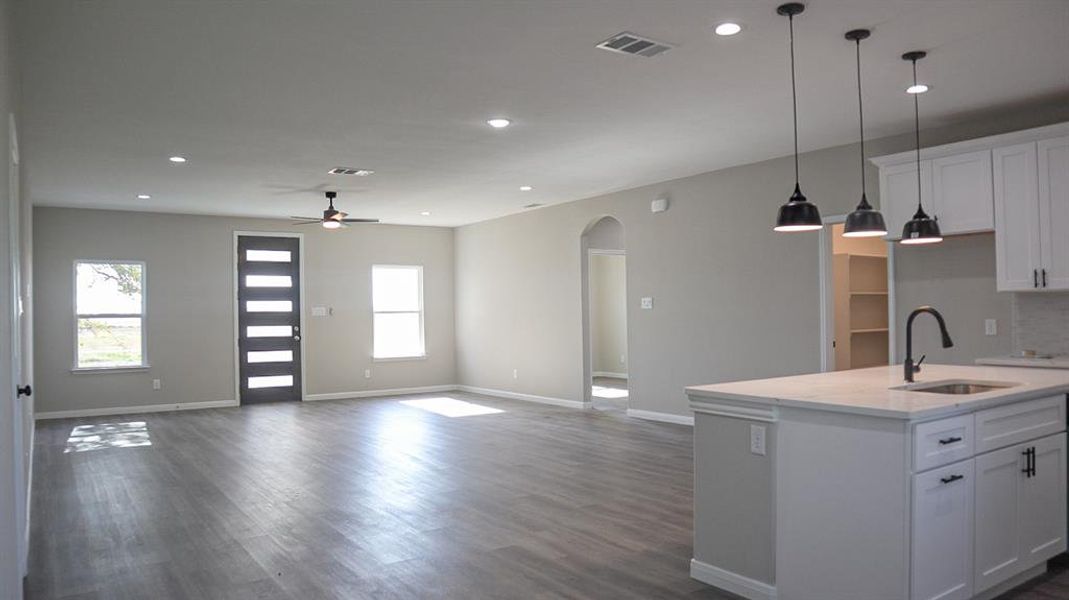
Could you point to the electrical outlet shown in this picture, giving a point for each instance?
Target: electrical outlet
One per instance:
(647, 303)
(156, 385)
(757, 439)
(990, 327)
(367, 373)
(515, 373)
(623, 359)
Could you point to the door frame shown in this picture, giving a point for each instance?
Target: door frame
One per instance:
(300, 313)
(588, 337)
(827, 304)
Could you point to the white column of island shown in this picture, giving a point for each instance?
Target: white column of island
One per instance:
(853, 485)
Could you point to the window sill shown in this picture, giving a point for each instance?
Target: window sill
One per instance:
(399, 358)
(130, 369)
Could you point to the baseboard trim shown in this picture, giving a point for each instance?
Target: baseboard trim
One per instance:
(427, 389)
(129, 410)
(650, 415)
(609, 374)
(731, 582)
(525, 397)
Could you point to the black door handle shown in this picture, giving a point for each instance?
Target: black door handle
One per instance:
(1044, 278)
(25, 390)
(952, 478)
(1035, 278)
(949, 440)
(1029, 469)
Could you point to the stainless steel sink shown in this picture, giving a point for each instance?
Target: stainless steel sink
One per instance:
(957, 387)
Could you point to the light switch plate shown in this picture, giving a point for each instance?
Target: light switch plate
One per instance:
(647, 303)
(990, 327)
(156, 385)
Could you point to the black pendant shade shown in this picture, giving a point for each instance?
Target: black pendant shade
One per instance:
(798, 214)
(865, 221)
(921, 229)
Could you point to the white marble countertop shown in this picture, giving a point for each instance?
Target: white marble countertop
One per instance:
(1054, 362)
(872, 391)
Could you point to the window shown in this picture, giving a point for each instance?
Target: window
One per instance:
(397, 301)
(109, 314)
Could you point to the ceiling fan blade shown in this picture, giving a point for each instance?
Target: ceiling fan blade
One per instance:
(305, 218)
(306, 223)
(359, 220)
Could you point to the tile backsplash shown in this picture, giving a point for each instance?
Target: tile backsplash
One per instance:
(1041, 322)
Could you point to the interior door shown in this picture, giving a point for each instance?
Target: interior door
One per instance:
(269, 318)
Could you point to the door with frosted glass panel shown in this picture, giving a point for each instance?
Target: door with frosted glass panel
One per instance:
(269, 318)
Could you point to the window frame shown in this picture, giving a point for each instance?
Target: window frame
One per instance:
(421, 312)
(143, 315)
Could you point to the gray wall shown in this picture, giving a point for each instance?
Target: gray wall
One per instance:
(957, 277)
(190, 325)
(732, 299)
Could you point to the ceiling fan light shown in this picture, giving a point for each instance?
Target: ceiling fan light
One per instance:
(331, 224)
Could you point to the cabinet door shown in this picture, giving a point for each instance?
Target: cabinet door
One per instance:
(1017, 240)
(1043, 511)
(1054, 211)
(898, 194)
(942, 533)
(997, 553)
(962, 192)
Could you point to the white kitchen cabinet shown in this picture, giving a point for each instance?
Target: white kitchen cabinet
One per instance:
(942, 533)
(898, 194)
(1032, 215)
(962, 192)
(1020, 499)
(1017, 244)
(1053, 157)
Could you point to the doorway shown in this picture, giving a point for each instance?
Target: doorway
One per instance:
(605, 369)
(858, 307)
(269, 318)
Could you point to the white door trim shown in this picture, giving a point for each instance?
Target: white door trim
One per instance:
(300, 316)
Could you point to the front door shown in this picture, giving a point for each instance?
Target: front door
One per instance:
(269, 318)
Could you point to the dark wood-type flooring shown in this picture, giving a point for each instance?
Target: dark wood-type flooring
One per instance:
(371, 499)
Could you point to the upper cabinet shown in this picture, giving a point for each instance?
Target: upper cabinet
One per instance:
(1032, 215)
(957, 191)
(1016, 184)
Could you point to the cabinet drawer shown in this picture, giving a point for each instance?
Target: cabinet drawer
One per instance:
(942, 442)
(1015, 423)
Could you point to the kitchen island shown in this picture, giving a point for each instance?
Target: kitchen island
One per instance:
(856, 485)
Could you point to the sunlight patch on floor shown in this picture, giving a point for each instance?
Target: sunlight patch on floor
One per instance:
(84, 438)
(451, 407)
(598, 391)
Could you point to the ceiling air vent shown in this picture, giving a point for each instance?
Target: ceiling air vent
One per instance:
(635, 45)
(350, 171)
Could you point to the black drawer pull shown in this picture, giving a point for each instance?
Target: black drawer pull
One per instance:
(952, 478)
(949, 440)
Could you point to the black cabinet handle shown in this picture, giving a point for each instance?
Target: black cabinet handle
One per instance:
(1029, 469)
(1044, 278)
(1035, 278)
(952, 478)
(949, 440)
(25, 390)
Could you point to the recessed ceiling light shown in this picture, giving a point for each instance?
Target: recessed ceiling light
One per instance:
(426, 213)
(917, 88)
(177, 159)
(525, 188)
(143, 196)
(498, 122)
(728, 28)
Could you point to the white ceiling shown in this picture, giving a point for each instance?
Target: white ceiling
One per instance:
(264, 96)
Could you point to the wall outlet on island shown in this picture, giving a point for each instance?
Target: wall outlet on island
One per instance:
(367, 373)
(156, 385)
(757, 439)
(515, 373)
(990, 327)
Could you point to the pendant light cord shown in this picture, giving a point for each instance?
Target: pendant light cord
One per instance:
(860, 116)
(917, 135)
(794, 99)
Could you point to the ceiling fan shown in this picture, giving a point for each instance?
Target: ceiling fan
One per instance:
(332, 217)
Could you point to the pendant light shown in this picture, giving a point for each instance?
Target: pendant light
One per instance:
(921, 229)
(864, 221)
(798, 214)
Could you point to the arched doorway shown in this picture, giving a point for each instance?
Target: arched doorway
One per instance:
(605, 355)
